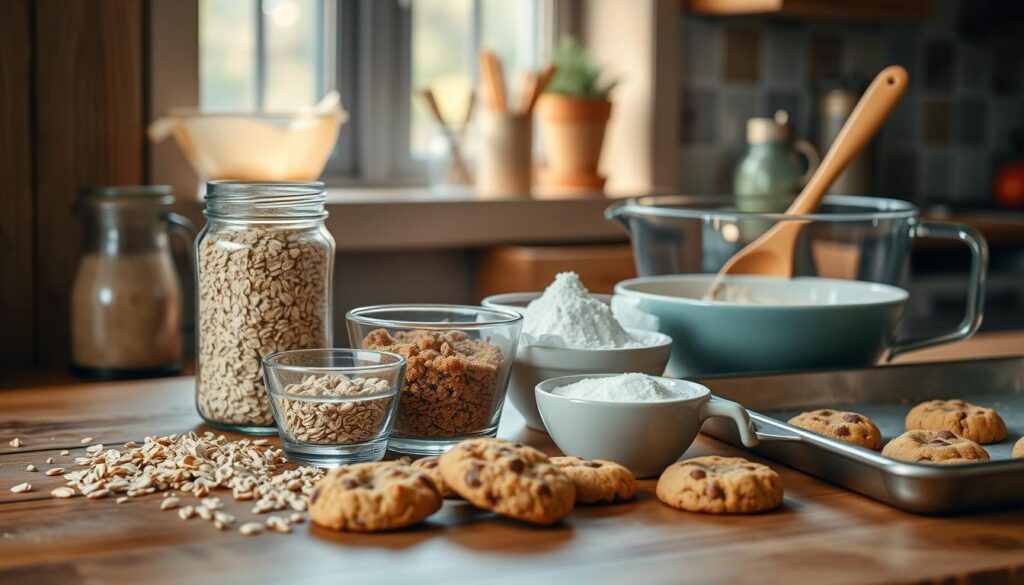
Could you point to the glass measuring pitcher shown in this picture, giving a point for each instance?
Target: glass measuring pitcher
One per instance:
(126, 301)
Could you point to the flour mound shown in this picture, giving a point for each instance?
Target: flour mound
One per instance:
(622, 388)
(566, 316)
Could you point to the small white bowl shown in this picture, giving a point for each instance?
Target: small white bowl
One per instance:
(646, 437)
(534, 364)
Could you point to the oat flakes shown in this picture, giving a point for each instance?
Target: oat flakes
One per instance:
(261, 290)
(335, 423)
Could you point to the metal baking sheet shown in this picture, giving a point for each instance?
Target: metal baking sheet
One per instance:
(885, 394)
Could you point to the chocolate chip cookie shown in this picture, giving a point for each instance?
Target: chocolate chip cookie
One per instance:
(977, 423)
(598, 481)
(510, 479)
(368, 497)
(1018, 449)
(941, 447)
(720, 485)
(850, 427)
(429, 465)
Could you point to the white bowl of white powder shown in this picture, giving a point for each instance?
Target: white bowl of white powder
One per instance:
(573, 332)
(643, 422)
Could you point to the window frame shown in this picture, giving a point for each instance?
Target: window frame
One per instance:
(366, 54)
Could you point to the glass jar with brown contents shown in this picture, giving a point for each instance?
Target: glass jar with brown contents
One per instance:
(265, 264)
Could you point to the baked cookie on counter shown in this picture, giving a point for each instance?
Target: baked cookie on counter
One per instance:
(720, 485)
(977, 423)
(430, 466)
(1018, 449)
(509, 479)
(941, 447)
(370, 497)
(850, 427)
(598, 481)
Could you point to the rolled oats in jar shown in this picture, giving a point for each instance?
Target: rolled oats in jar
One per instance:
(264, 266)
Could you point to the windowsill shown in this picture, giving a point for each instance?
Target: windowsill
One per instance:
(365, 219)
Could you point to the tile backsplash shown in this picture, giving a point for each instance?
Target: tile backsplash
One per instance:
(954, 128)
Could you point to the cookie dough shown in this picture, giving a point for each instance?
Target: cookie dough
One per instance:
(941, 447)
(850, 427)
(510, 479)
(977, 423)
(1018, 449)
(720, 485)
(369, 497)
(598, 481)
(429, 465)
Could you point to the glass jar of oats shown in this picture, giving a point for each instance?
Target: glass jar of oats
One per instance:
(264, 267)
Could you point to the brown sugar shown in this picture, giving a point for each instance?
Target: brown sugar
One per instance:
(450, 385)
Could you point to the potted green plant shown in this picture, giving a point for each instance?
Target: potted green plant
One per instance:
(573, 112)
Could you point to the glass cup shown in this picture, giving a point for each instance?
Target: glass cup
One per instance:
(459, 359)
(333, 406)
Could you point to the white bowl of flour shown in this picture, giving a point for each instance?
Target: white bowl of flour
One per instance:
(643, 422)
(566, 330)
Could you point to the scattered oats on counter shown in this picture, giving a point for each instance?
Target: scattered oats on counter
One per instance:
(21, 488)
(65, 453)
(86, 440)
(49, 460)
(16, 442)
(31, 468)
(250, 529)
(62, 492)
(169, 503)
(54, 471)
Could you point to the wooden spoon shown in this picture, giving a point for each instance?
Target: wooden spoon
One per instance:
(772, 253)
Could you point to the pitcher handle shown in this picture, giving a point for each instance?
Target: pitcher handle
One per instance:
(975, 288)
(813, 158)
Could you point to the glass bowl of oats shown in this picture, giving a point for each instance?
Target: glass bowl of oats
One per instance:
(334, 406)
(459, 360)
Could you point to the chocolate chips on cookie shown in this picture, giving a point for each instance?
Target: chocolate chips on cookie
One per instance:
(941, 447)
(850, 427)
(510, 479)
(720, 485)
(977, 423)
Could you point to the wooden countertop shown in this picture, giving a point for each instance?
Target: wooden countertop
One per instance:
(823, 534)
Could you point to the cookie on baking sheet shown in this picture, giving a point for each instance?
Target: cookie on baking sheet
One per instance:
(977, 423)
(1018, 449)
(368, 497)
(510, 479)
(720, 485)
(942, 447)
(598, 481)
(850, 427)
(429, 465)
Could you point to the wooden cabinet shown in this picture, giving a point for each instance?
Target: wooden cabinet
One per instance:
(532, 268)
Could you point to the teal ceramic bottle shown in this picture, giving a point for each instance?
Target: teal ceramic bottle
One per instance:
(770, 175)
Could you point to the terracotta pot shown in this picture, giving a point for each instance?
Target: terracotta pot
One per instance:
(572, 131)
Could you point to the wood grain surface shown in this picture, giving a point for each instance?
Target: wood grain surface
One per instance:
(89, 131)
(822, 534)
(16, 246)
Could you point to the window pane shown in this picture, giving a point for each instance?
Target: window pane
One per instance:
(446, 35)
(293, 53)
(509, 29)
(227, 54)
(442, 49)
